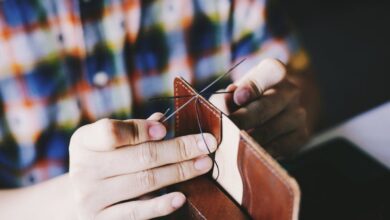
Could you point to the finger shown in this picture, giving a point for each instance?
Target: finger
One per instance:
(287, 145)
(159, 117)
(271, 104)
(154, 154)
(150, 195)
(133, 185)
(144, 209)
(260, 78)
(108, 134)
(156, 116)
(224, 102)
(285, 122)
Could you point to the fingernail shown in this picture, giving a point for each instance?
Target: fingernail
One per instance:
(210, 141)
(178, 201)
(157, 131)
(203, 163)
(241, 96)
(231, 88)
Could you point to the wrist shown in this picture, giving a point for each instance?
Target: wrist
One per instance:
(48, 200)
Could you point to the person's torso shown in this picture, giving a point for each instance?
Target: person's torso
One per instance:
(64, 63)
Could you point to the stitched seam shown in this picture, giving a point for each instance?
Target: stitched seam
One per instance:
(196, 209)
(246, 143)
(277, 175)
(178, 114)
(202, 101)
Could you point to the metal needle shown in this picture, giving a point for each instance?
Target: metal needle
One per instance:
(203, 90)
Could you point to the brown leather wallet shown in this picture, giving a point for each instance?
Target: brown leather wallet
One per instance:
(250, 183)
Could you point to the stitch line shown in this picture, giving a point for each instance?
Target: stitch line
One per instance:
(177, 124)
(197, 210)
(266, 163)
(207, 105)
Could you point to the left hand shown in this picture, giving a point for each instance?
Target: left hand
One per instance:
(267, 105)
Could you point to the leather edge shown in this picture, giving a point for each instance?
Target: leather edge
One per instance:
(279, 171)
(216, 111)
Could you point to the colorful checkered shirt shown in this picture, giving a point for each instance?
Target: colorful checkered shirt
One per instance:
(65, 63)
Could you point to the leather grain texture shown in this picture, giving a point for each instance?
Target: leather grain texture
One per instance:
(186, 121)
(206, 201)
(269, 193)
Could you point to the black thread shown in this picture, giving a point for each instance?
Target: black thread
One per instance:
(202, 134)
(187, 96)
(196, 97)
(204, 90)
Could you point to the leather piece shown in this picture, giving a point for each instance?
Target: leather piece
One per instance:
(206, 201)
(185, 120)
(268, 191)
(228, 175)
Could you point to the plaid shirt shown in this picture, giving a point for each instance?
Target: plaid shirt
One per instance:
(64, 63)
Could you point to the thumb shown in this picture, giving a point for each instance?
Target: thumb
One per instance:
(265, 75)
(157, 116)
(224, 102)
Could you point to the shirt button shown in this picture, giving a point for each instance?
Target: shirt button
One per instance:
(31, 178)
(123, 24)
(100, 78)
(60, 37)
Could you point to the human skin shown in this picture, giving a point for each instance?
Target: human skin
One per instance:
(272, 105)
(113, 161)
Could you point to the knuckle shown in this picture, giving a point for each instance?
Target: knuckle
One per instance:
(184, 146)
(109, 131)
(146, 179)
(181, 172)
(134, 132)
(148, 153)
(133, 214)
(276, 65)
(289, 89)
(105, 124)
(259, 112)
(301, 113)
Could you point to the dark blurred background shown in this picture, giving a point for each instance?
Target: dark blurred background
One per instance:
(349, 45)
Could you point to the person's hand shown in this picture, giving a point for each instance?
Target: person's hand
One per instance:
(113, 163)
(266, 104)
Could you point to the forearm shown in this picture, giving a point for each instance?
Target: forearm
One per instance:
(48, 200)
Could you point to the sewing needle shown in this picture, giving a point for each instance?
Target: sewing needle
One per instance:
(203, 90)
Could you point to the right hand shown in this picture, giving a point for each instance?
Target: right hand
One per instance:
(113, 163)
